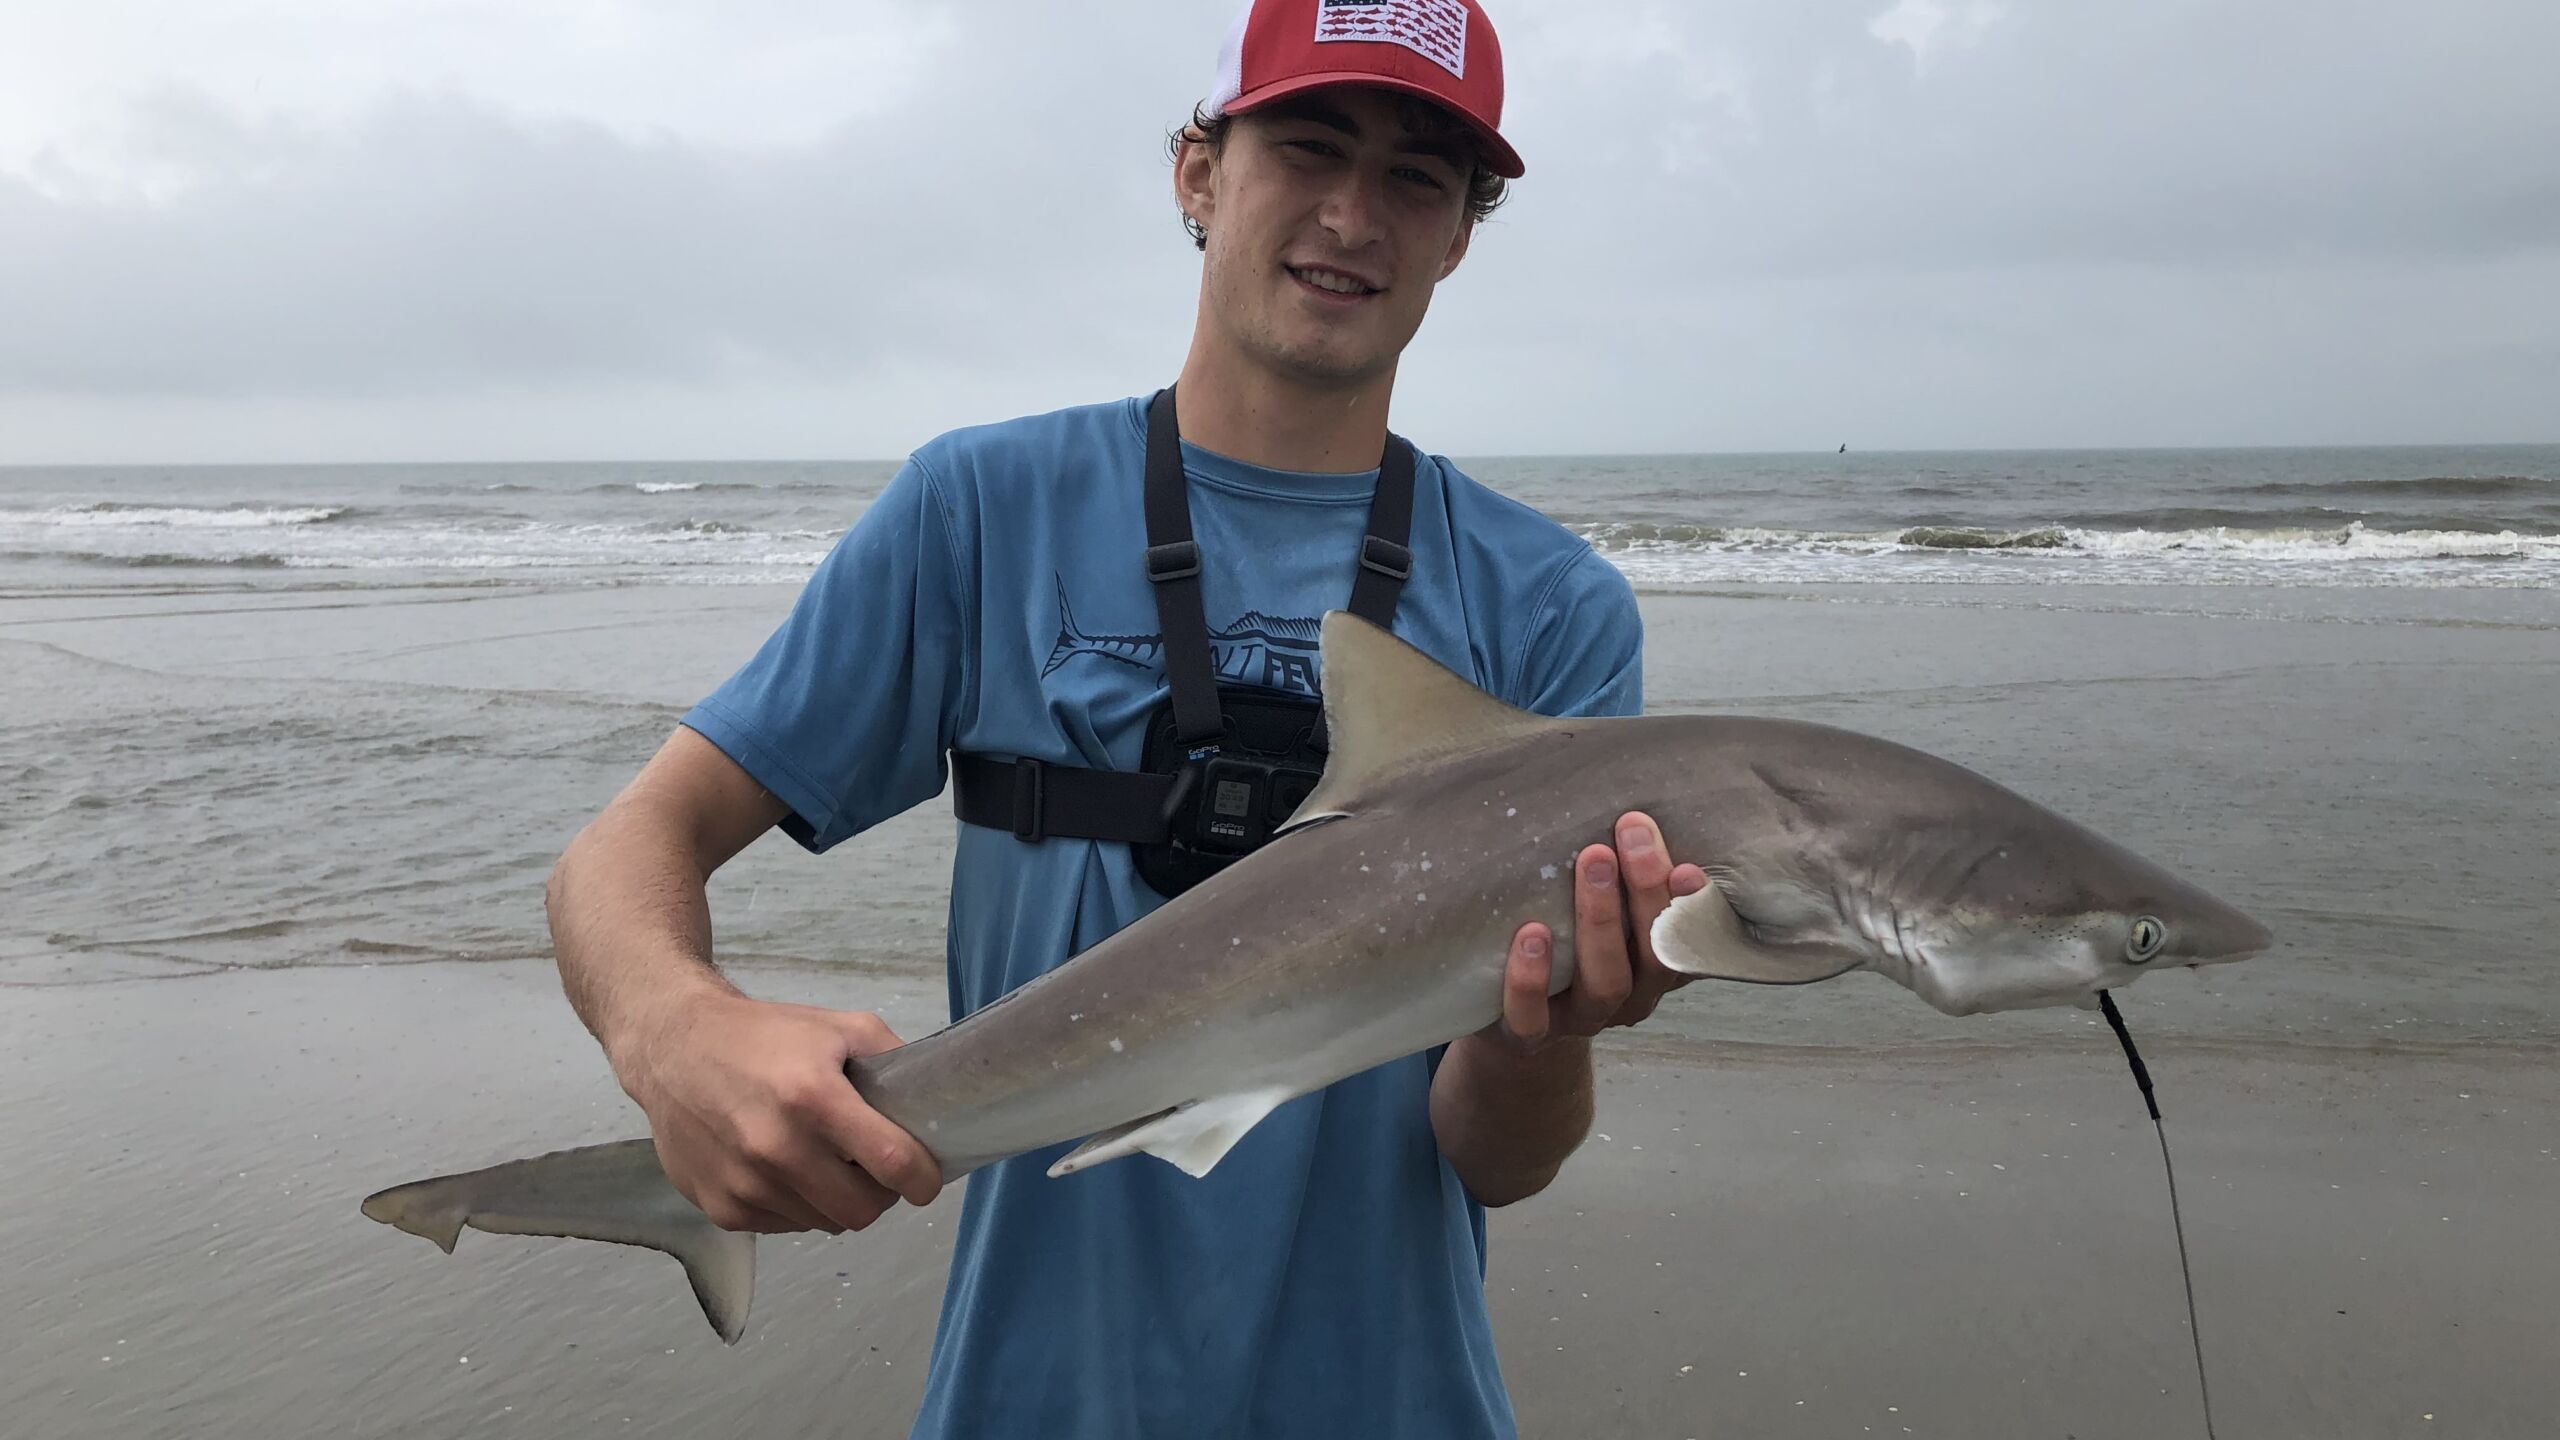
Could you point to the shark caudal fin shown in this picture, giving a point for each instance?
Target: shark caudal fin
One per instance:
(614, 1193)
(1388, 708)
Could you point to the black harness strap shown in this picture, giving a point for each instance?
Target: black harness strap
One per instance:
(1035, 800)
(1173, 568)
(1385, 562)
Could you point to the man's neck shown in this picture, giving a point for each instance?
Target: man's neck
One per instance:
(1246, 413)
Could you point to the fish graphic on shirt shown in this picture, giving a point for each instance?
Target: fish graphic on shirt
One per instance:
(1273, 652)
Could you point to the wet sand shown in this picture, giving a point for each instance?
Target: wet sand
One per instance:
(1843, 1214)
(1950, 1242)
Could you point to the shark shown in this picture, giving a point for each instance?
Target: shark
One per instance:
(1377, 921)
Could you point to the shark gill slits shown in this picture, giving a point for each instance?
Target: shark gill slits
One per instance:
(2145, 941)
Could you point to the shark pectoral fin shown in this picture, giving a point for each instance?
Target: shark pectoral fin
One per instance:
(1194, 1135)
(1700, 935)
(615, 1193)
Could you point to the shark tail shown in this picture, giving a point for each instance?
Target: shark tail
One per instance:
(614, 1193)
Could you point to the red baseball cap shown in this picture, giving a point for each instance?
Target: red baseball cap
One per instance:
(1441, 50)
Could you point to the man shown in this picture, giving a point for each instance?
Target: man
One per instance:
(1327, 1277)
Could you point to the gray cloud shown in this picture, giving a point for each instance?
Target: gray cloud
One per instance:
(1754, 225)
(2182, 132)
(438, 244)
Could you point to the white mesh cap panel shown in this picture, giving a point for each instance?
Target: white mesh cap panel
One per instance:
(1230, 81)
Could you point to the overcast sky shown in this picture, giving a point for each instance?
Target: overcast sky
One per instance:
(592, 229)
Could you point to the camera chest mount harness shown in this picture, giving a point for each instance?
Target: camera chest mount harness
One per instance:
(1223, 766)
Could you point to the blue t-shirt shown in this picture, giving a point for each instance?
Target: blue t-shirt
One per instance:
(1327, 1278)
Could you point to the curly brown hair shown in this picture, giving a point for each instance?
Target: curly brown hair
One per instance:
(1485, 190)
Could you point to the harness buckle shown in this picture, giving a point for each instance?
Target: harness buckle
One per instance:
(1385, 557)
(1179, 560)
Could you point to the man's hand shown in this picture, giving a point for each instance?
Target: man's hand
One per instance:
(758, 1126)
(1513, 1100)
(1617, 980)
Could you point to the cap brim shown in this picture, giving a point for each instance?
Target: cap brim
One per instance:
(1499, 157)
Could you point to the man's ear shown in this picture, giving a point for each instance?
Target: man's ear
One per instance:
(1195, 173)
(1458, 247)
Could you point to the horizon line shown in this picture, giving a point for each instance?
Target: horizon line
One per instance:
(1461, 457)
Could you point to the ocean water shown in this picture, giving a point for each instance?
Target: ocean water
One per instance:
(347, 715)
(2461, 517)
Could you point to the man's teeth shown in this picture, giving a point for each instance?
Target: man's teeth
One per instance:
(1325, 280)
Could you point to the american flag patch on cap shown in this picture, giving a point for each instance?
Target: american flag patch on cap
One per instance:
(1433, 29)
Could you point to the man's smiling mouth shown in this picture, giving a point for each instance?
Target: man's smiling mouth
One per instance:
(1332, 282)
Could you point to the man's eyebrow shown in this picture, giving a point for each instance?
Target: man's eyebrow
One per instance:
(1448, 150)
(1316, 112)
(1455, 154)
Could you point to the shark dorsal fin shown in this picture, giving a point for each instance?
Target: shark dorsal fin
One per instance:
(1389, 708)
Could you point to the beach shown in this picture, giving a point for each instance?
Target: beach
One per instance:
(1957, 1241)
(272, 939)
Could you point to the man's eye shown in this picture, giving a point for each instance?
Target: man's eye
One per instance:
(1312, 147)
(1421, 176)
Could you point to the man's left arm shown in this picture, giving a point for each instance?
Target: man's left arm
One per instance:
(1512, 1101)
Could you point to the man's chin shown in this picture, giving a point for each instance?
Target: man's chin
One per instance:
(1330, 366)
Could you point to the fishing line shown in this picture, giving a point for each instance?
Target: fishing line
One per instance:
(2186, 1272)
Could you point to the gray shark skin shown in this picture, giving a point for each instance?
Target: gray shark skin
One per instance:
(1445, 819)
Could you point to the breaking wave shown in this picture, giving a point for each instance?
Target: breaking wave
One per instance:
(151, 560)
(2352, 554)
(1947, 537)
(180, 517)
(2354, 540)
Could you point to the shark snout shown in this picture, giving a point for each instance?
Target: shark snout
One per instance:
(2222, 934)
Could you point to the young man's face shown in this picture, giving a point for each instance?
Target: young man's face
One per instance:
(1329, 223)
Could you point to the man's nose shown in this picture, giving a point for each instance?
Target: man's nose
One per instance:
(1351, 211)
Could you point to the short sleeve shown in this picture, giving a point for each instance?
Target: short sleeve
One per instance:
(846, 712)
(1585, 650)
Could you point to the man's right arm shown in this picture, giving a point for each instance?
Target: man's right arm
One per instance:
(755, 1120)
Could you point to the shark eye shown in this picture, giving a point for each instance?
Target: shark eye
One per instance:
(2144, 943)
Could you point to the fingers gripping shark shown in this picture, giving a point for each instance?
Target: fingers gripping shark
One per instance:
(1376, 925)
